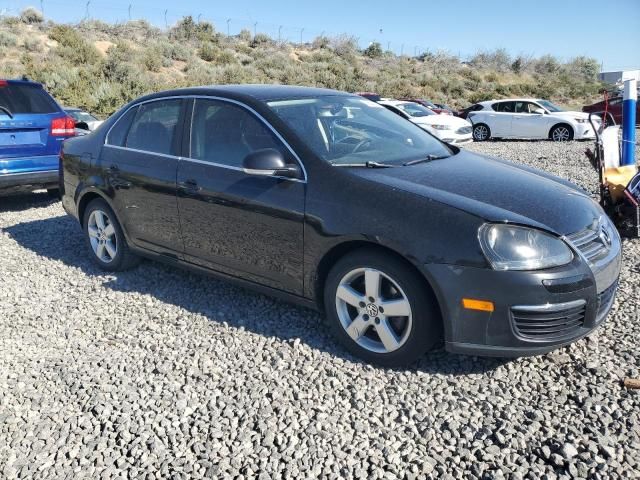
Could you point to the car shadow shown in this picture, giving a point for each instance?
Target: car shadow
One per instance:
(207, 296)
(19, 202)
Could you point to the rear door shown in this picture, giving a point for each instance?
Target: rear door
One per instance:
(501, 118)
(140, 160)
(28, 115)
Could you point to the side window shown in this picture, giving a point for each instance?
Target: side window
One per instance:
(225, 133)
(525, 107)
(504, 107)
(118, 133)
(154, 127)
(476, 107)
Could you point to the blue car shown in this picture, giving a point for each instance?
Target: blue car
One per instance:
(32, 129)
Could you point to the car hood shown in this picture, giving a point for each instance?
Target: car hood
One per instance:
(572, 115)
(495, 190)
(454, 122)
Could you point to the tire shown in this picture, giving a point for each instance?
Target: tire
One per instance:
(53, 192)
(106, 242)
(561, 133)
(406, 337)
(481, 132)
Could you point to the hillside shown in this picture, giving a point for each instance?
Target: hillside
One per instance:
(100, 66)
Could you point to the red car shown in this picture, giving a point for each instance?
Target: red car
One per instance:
(429, 105)
(615, 108)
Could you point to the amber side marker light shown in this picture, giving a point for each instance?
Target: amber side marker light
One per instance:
(473, 304)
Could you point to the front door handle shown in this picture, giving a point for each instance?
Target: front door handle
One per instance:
(189, 187)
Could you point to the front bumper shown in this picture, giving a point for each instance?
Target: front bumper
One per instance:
(534, 312)
(584, 131)
(453, 137)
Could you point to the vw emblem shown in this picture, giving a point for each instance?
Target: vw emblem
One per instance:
(372, 310)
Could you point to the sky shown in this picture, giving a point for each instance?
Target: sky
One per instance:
(607, 30)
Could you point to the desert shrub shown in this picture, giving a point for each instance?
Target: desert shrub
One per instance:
(208, 52)
(260, 39)
(152, 59)
(31, 16)
(73, 47)
(345, 45)
(374, 50)
(321, 41)
(226, 57)
(8, 39)
(188, 29)
(32, 44)
(244, 35)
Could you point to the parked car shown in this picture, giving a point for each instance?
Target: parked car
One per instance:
(464, 113)
(374, 97)
(452, 130)
(614, 107)
(528, 118)
(32, 128)
(83, 118)
(426, 103)
(444, 109)
(330, 200)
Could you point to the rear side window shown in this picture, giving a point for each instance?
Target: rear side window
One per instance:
(505, 107)
(118, 133)
(154, 127)
(24, 98)
(475, 108)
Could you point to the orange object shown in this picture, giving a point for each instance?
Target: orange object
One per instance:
(473, 304)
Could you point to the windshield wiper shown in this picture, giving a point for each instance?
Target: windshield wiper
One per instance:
(368, 164)
(7, 111)
(428, 158)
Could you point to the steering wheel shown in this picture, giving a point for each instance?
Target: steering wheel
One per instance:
(351, 140)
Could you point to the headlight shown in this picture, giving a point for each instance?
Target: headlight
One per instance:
(511, 247)
(582, 120)
(441, 127)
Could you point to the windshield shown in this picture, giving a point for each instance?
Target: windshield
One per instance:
(80, 116)
(552, 107)
(415, 110)
(351, 130)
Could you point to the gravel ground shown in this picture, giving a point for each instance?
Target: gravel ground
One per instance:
(159, 373)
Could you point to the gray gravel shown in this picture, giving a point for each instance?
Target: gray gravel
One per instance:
(159, 373)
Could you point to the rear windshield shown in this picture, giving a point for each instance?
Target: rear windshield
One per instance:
(26, 99)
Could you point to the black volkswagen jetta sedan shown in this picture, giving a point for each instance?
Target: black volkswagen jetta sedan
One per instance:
(332, 201)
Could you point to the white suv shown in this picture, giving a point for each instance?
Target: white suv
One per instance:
(529, 118)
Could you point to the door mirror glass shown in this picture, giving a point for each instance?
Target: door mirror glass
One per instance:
(268, 162)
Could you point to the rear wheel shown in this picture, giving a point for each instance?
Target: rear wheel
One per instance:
(481, 132)
(381, 309)
(105, 239)
(561, 133)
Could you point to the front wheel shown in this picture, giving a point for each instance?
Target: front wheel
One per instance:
(561, 133)
(105, 239)
(381, 309)
(481, 132)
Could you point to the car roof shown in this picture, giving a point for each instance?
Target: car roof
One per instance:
(20, 82)
(260, 92)
(394, 103)
(72, 109)
(511, 100)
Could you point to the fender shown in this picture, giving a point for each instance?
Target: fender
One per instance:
(83, 190)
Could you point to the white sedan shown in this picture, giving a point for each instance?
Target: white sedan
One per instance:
(449, 129)
(529, 118)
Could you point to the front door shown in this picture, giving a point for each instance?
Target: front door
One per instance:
(141, 161)
(527, 123)
(244, 225)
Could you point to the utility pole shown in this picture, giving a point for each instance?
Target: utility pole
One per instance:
(255, 28)
(166, 24)
(279, 33)
(388, 46)
(228, 22)
(301, 32)
(199, 16)
(402, 50)
(129, 12)
(86, 15)
(42, 7)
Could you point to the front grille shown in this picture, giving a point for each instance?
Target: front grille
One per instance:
(545, 323)
(594, 242)
(605, 300)
(463, 130)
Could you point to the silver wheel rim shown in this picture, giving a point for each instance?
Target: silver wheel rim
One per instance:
(102, 236)
(373, 310)
(561, 134)
(480, 132)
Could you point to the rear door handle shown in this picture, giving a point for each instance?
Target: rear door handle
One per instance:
(189, 187)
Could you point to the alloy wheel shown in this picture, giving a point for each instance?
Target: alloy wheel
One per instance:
(480, 133)
(102, 236)
(373, 310)
(561, 134)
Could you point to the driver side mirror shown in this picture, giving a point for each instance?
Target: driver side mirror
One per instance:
(269, 162)
(538, 111)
